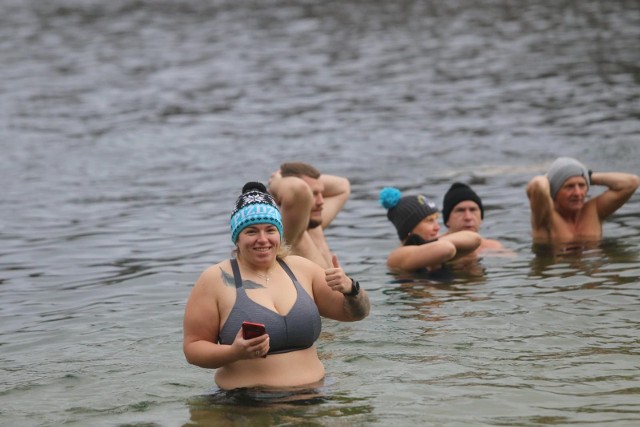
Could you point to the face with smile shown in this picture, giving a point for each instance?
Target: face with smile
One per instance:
(466, 215)
(259, 243)
(572, 195)
(428, 228)
(317, 188)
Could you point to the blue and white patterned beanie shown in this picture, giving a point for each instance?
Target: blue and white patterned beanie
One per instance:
(254, 206)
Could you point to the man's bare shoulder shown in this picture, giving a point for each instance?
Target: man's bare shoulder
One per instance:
(490, 244)
(494, 248)
(308, 248)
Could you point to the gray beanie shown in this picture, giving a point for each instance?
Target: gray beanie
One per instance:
(562, 169)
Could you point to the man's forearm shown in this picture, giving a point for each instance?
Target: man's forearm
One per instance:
(616, 181)
(335, 185)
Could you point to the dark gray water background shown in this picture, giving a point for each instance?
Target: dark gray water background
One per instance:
(128, 127)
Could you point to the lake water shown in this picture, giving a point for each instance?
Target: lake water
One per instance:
(128, 127)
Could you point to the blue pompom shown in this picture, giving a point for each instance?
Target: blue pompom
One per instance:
(389, 197)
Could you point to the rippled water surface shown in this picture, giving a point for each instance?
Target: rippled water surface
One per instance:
(127, 129)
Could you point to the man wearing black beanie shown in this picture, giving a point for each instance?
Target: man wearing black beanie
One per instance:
(462, 210)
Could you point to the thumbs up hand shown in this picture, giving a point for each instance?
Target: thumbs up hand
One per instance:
(336, 278)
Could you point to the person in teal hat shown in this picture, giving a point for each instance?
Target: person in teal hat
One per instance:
(265, 285)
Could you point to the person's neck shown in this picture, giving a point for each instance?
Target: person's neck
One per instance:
(258, 269)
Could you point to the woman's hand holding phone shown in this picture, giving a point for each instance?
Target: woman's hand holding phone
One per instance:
(252, 330)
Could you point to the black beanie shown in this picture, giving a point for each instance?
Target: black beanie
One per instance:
(406, 212)
(459, 192)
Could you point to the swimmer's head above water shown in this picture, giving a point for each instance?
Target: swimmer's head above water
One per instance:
(562, 169)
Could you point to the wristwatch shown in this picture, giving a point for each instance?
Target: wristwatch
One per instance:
(355, 289)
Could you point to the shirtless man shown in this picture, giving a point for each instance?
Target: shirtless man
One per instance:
(462, 210)
(560, 211)
(309, 202)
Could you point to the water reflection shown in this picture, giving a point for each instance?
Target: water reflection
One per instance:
(469, 269)
(602, 262)
(427, 293)
(314, 407)
(258, 396)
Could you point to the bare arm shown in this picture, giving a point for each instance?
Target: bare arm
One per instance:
(355, 307)
(416, 257)
(541, 204)
(329, 288)
(295, 199)
(336, 193)
(621, 188)
(465, 242)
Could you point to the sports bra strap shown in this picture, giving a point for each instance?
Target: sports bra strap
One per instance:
(236, 273)
(286, 268)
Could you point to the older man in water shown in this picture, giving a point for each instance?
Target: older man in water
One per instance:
(560, 211)
(462, 210)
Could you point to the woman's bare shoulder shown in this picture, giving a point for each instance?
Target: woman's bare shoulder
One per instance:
(215, 274)
(298, 263)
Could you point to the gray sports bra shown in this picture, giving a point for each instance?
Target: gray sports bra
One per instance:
(297, 330)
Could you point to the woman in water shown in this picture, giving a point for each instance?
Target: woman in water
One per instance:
(263, 284)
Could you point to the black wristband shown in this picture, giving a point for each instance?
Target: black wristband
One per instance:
(590, 172)
(355, 289)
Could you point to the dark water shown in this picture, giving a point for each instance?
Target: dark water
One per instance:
(127, 129)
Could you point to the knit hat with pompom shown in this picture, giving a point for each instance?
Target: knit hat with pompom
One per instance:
(254, 206)
(405, 212)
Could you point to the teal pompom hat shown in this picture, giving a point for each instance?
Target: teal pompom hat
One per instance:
(254, 206)
(405, 212)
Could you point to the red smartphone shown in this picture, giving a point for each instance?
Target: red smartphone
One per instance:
(252, 330)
